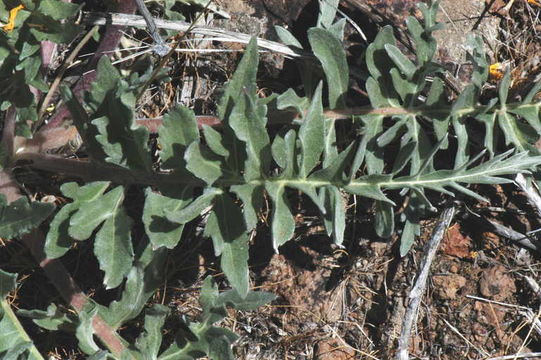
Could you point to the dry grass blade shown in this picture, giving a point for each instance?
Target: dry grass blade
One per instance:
(181, 26)
(533, 355)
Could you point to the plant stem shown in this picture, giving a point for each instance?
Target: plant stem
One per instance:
(160, 47)
(62, 70)
(166, 58)
(70, 292)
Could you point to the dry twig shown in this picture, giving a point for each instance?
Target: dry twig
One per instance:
(533, 355)
(420, 284)
(181, 26)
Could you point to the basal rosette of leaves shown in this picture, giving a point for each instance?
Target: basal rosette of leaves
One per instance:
(227, 172)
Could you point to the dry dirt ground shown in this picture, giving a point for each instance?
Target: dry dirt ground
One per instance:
(482, 300)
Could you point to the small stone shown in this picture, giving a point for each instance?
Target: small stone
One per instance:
(447, 286)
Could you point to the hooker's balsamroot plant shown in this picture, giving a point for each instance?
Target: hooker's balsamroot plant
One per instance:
(232, 168)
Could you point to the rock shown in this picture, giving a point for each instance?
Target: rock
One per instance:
(447, 286)
(456, 244)
(496, 284)
(333, 349)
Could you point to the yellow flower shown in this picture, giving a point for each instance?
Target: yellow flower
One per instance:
(495, 71)
(534, 2)
(11, 21)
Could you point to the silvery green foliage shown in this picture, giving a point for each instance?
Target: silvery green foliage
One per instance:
(227, 173)
(21, 216)
(95, 209)
(193, 339)
(197, 339)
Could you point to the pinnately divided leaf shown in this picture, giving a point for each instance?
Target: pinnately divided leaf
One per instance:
(415, 137)
(113, 246)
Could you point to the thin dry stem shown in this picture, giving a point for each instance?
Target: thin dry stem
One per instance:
(420, 284)
(63, 69)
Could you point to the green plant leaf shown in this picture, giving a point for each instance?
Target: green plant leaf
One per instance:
(134, 296)
(530, 113)
(215, 141)
(21, 216)
(245, 75)
(384, 219)
(311, 134)
(425, 44)
(283, 223)
(150, 341)
(113, 246)
(193, 209)
(252, 301)
(369, 149)
(8, 282)
(330, 151)
(370, 188)
(286, 37)
(404, 64)
(335, 171)
(124, 142)
(199, 339)
(85, 332)
(327, 12)
(503, 89)
(81, 120)
(477, 56)
(335, 218)
(252, 198)
(94, 212)
(178, 131)
(107, 79)
(379, 84)
(285, 153)
(330, 52)
(58, 10)
(203, 163)
(15, 341)
(289, 100)
(226, 227)
(160, 230)
(248, 120)
(54, 318)
(58, 240)
(409, 232)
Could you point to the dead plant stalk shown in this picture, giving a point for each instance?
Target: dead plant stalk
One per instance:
(420, 284)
